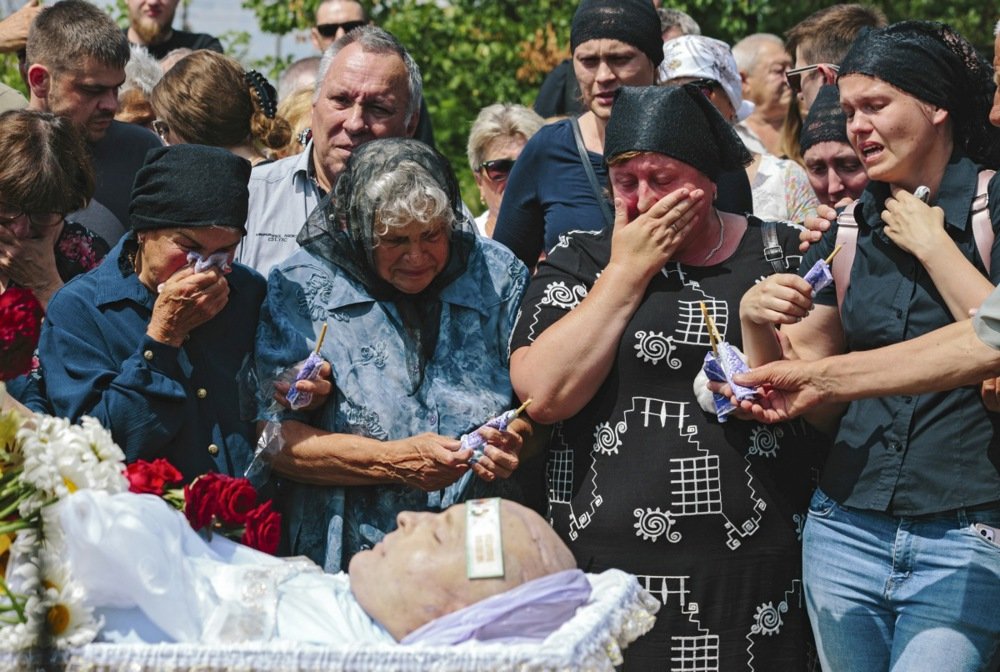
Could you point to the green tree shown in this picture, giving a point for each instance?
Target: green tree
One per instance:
(476, 52)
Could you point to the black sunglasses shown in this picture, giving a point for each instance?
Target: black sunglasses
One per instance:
(706, 86)
(497, 170)
(330, 29)
(795, 75)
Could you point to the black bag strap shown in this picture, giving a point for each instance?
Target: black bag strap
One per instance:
(609, 216)
(772, 248)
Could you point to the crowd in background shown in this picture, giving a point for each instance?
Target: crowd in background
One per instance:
(193, 233)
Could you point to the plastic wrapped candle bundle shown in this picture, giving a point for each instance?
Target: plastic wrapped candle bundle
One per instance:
(310, 371)
(820, 275)
(476, 441)
(721, 364)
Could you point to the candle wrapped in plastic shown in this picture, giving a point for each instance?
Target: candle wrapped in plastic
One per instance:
(721, 366)
(477, 442)
(819, 276)
(310, 371)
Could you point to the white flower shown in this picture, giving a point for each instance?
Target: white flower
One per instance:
(60, 458)
(70, 621)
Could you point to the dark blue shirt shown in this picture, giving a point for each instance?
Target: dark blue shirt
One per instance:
(157, 400)
(910, 454)
(548, 194)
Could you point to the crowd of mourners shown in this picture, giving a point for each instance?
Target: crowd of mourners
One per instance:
(197, 236)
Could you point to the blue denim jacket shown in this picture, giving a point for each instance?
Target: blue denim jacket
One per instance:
(465, 383)
(157, 400)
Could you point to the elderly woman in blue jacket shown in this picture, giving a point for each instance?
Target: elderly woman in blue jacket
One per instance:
(150, 341)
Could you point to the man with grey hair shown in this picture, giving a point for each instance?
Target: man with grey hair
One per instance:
(298, 75)
(75, 57)
(368, 87)
(674, 23)
(763, 61)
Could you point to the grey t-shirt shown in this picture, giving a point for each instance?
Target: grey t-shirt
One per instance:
(987, 320)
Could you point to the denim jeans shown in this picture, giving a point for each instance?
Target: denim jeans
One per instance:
(902, 594)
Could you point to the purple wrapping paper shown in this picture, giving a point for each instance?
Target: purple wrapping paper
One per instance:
(309, 370)
(819, 276)
(721, 369)
(476, 441)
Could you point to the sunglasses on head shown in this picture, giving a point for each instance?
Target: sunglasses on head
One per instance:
(330, 29)
(795, 75)
(497, 170)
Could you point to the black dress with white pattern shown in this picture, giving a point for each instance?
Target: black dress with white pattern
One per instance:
(707, 515)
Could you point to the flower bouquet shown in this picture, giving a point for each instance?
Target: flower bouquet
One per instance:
(20, 326)
(42, 460)
(212, 503)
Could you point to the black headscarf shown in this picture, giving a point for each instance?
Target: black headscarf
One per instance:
(189, 186)
(932, 62)
(633, 22)
(678, 121)
(341, 233)
(826, 121)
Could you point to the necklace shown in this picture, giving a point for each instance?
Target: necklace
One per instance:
(722, 236)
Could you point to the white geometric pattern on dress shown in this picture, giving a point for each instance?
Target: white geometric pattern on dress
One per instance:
(653, 524)
(696, 485)
(564, 456)
(767, 619)
(699, 653)
(556, 294)
(653, 347)
(559, 470)
(666, 586)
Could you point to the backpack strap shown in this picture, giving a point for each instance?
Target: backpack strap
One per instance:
(772, 248)
(982, 227)
(847, 235)
(609, 217)
(847, 238)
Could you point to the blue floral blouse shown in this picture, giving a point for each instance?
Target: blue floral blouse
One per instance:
(465, 383)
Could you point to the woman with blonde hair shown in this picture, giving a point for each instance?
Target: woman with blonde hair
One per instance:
(496, 139)
(208, 99)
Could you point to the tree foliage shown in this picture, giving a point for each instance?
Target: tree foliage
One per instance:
(476, 52)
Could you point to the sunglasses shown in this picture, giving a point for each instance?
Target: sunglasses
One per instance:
(496, 170)
(795, 75)
(330, 29)
(706, 86)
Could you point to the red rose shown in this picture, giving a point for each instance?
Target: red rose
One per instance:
(236, 498)
(20, 325)
(201, 499)
(263, 529)
(152, 477)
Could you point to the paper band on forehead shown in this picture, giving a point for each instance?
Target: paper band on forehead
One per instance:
(483, 539)
(678, 121)
(932, 62)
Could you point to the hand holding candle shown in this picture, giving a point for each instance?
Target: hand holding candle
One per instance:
(721, 364)
(309, 371)
(475, 440)
(820, 275)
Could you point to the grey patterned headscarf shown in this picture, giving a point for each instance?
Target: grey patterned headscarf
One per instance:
(341, 233)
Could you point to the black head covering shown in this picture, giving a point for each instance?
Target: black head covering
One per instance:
(932, 62)
(633, 22)
(826, 121)
(190, 186)
(678, 121)
(341, 233)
